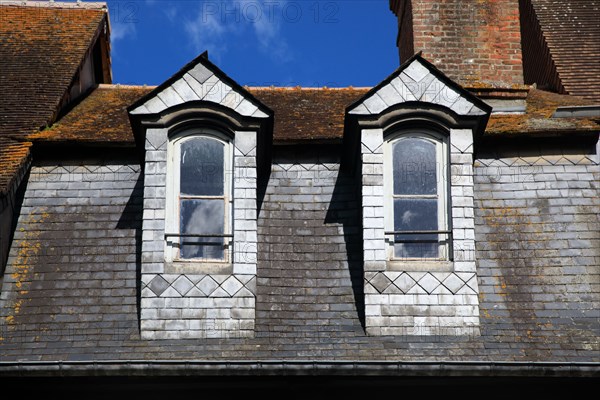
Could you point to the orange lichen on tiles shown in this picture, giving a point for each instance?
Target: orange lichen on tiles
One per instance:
(303, 114)
(101, 117)
(41, 50)
(14, 157)
(29, 247)
(479, 85)
(300, 114)
(540, 106)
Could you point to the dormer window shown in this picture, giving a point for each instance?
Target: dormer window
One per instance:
(415, 137)
(200, 202)
(206, 140)
(416, 203)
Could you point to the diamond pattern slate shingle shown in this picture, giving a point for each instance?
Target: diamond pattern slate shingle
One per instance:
(71, 287)
(70, 292)
(572, 31)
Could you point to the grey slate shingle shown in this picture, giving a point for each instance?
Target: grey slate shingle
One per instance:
(71, 293)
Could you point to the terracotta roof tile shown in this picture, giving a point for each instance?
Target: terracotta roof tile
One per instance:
(538, 117)
(572, 31)
(300, 114)
(14, 157)
(41, 48)
(101, 117)
(303, 114)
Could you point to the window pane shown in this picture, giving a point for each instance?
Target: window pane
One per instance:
(414, 166)
(202, 217)
(416, 215)
(202, 167)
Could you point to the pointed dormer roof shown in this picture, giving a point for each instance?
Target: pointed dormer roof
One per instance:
(200, 80)
(418, 81)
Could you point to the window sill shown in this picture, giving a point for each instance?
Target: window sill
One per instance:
(198, 267)
(418, 265)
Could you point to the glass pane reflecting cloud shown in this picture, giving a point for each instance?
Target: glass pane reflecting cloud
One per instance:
(416, 215)
(414, 167)
(202, 217)
(202, 167)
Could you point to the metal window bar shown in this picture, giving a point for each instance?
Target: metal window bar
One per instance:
(448, 241)
(195, 197)
(204, 236)
(432, 232)
(198, 235)
(415, 196)
(417, 232)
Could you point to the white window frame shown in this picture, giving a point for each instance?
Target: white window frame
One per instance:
(442, 171)
(172, 216)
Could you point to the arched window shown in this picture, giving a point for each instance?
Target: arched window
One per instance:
(416, 196)
(199, 198)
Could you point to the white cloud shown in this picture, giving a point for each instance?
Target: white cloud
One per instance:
(171, 13)
(118, 32)
(207, 32)
(255, 21)
(270, 40)
(121, 30)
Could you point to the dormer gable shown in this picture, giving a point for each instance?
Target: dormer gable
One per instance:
(418, 81)
(200, 80)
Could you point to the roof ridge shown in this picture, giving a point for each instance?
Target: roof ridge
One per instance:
(307, 88)
(122, 86)
(96, 5)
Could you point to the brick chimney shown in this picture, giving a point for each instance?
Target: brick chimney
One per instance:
(474, 42)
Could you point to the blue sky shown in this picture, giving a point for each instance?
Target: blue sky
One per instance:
(257, 42)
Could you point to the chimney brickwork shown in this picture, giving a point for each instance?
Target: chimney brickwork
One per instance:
(473, 42)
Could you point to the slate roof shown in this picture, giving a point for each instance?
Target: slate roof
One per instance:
(71, 288)
(70, 292)
(572, 32)
(200, 80)
(303, 114)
